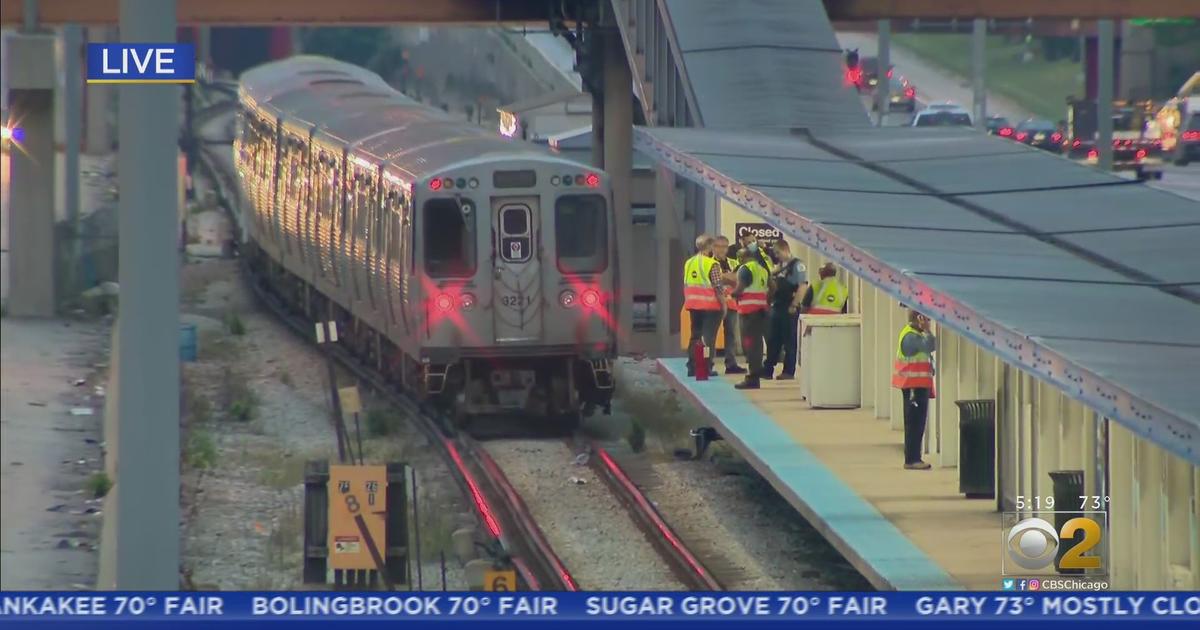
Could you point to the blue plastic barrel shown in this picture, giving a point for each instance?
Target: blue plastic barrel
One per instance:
(187, 342)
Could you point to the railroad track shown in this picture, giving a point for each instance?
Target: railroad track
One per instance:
(501, 509)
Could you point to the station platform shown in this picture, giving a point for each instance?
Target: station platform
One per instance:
(842, 469)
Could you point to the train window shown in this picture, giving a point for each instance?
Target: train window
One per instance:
(516, 239)
(581, 234)
(449, 239)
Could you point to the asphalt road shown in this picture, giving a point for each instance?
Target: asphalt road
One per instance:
(936, 84)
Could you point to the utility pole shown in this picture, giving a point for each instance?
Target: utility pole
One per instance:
(978, 63)
(883, 56)
(1104, 93)
(147, 488)
(72, 40)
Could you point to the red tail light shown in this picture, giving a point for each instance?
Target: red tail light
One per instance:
(1076, 142)
(1006, 131)
(1056, 137)
(1093, 154)
(444, 302)
(592, 180)
(889, 73)
(1022, 135)
(854, 75)
(1191, 136)
(909, 92)
(590, 298)
(1140, 155)
(435, 184)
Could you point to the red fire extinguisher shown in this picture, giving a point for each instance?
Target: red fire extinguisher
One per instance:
(700, 360)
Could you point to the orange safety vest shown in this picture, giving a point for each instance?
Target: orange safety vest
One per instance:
(697, 287)
(914, 371)
(754, 298)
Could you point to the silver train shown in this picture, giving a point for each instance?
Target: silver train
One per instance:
(476, 271)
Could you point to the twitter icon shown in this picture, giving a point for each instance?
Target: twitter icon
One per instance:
(1008, 584)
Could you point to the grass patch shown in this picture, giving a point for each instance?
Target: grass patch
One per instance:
(1040, 86)
(382, 421)
(201, 450)
(215, 345)
(196, 407)
(98, 485)
(241, 403)
(234, 324)
(277, 470)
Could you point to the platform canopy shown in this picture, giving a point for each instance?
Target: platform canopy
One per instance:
(1084, 279)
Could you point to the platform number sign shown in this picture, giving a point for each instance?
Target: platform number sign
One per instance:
(500, 580)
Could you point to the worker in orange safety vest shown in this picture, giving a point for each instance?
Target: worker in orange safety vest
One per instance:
(912, 374)
(751, 295)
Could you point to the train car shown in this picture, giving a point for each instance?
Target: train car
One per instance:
(476, 271)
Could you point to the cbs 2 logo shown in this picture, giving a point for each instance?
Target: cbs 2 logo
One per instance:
(1033, 543)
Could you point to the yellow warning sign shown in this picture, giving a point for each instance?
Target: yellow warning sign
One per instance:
(505, 581)
(357, 516)
(351, 403)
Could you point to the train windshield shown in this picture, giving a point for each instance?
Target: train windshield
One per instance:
(581, 234)
(449, 238)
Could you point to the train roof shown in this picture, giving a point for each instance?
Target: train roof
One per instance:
(348, 106)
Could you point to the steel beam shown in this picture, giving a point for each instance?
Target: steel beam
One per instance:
(259, 12)
(147, 534)
(618, 163)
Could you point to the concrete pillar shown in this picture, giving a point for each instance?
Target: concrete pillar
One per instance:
(618, 163)
(97, 129)
(1104, 93)
(72, 41)
(31, 77)
(147, 556)
(978, 61)
(666, 236)
(883, 56)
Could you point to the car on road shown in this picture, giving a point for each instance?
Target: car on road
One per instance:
(999, 126)
(1187, 148)
(1042, 134)
(870, 72)
(942, 115)
(902, 95)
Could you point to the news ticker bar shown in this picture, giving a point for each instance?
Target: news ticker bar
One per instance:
(574, 607)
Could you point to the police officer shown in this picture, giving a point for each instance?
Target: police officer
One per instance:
(912, 374)
(751, 295)
(703, 298)
(789, 278)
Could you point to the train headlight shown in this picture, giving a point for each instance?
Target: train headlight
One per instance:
(444, 302)
(467, 301)
(554, 180)
(590, 298)
(567, 298)
(473, 183)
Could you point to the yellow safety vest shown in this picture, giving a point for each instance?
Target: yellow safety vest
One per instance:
(754, 298)
(698, 292)
(911, 372)
(829, 296)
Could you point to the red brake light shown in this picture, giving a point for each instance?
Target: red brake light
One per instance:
(1077, 142)
(1056, 137)
(435, 184)
(889, 73)
(1140, 155)
(592, 180)
(590, 298)
(1191, 135)
(1093, 154)
(1022, 135)
(1006, 131)
(444, 302)
(909, 92)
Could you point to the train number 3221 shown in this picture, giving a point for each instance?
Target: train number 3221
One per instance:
(516, 301)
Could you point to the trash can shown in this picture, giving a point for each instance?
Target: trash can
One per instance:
(1068, 487)
(187, 342)
(977, 448)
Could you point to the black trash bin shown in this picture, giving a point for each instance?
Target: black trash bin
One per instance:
(1068, 487)
(977, 448)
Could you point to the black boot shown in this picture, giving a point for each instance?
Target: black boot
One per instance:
(748, 383)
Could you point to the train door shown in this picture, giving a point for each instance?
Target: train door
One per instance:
(517, 277)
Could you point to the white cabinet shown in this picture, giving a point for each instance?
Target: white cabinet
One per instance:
(829, 363)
